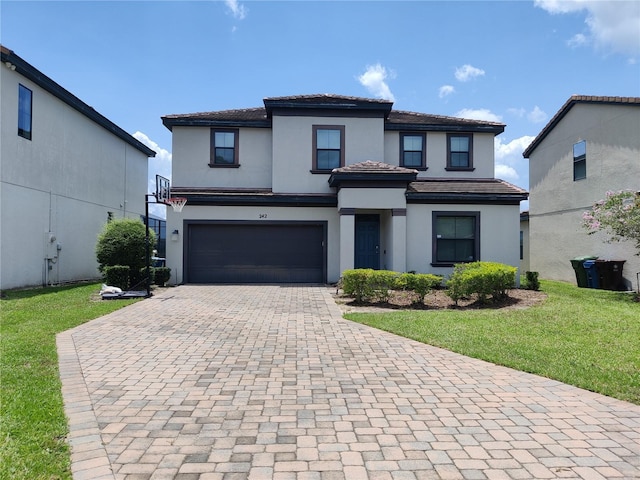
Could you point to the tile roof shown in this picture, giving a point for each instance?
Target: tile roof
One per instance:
(394, 119)
(482, 186)
(369, 166)
(573, 100)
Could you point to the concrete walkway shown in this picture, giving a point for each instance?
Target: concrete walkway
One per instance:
(269, 382)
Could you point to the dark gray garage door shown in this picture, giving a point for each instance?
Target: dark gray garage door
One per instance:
(255, 253)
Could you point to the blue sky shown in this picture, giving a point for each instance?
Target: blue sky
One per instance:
(516, 62)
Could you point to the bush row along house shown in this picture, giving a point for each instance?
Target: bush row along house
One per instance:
(589, 147)
(65, 170)
(306, 186)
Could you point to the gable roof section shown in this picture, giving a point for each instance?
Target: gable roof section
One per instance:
(484, 190)
(36, 76)
(573, 100)
(370, 171)
(324, 104)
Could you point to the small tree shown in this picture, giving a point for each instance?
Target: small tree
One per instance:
(618, 215)
(122, 242)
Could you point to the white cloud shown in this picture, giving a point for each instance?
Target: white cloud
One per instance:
(479, 114)
(518, 112)
(158, 165)
(468, 72)
(511, 152)
(374, 80)
(505, 172)
(578, 40)
(537, 115)
(510, 165)
(445, 90)
(236, 8)
(612, 26)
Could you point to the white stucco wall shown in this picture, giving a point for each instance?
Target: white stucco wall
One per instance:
(293, 150)
(557, 201)
(64, 181)
(436, 148)
(191, 147)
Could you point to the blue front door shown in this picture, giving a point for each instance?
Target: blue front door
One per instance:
(367, 254)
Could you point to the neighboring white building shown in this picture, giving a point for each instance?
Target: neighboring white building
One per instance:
(64, 171)
(307, 186)
(590, 146)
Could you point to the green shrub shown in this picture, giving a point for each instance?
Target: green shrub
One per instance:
(162, 275)
(381, 284)
(532, 281)
(356, 283)
(419, 283)
(123, 242)
(369, 285)
(483, 279)
(117, 276)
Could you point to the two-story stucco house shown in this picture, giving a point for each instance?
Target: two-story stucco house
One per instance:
(307, 186)
(589, 147)
(64, 171)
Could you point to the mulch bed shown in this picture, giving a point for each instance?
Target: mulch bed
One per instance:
(438, 300)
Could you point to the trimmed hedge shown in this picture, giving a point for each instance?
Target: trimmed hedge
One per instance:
(484, 279)
(366, 285)
(161, 275)
(117, 276)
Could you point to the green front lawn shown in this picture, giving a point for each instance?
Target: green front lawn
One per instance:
(583, 337)
(33, 426)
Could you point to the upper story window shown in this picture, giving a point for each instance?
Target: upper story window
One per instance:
(456, 237)
(25, 97)
(224, 148)
(412, 150)
(580, 160)
(459, 151)
(328, 147)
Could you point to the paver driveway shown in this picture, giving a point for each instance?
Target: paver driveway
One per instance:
(262, 382)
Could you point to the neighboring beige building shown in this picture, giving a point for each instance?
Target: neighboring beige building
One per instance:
(307, 186)
(591, 146)
(64, 171)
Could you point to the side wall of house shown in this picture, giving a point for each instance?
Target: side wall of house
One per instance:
(557, 201)
(65, 180)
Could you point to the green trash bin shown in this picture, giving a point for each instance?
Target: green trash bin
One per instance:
(581, 274)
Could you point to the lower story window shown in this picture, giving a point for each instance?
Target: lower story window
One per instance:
(456, 237)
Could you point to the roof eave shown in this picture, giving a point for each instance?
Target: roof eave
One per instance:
(461, 198)
(494, 129)
(200, 122)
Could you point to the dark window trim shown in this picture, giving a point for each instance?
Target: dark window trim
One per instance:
(423, 159)
(236, 148)
(315, 128)
(580, 160)
(21, 132)
(434, 243)
(450, 167)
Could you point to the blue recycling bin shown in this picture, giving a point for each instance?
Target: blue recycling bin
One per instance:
(592, 274)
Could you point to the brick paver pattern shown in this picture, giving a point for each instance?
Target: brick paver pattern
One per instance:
(270, 382)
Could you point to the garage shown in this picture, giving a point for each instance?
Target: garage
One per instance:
(255, 252)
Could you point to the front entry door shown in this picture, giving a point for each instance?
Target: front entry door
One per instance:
(367, 242)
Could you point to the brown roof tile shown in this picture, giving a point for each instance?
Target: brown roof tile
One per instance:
(369, 166)
(489, 186)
